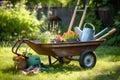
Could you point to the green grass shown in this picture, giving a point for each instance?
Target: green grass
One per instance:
(107, 67)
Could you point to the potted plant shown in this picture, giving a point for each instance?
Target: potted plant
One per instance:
(70, 36)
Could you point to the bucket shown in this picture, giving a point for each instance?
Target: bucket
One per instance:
(33, 61)
(87, 33)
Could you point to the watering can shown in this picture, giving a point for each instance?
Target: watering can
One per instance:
(87, 34)
(79, 31)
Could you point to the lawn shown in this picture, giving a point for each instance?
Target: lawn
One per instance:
(107, 67)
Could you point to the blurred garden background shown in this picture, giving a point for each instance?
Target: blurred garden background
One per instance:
(27, 18)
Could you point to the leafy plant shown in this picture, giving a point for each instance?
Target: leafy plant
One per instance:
(45, 37)
(114, 39)
(91, 18)
(14, 21)
(70, 35)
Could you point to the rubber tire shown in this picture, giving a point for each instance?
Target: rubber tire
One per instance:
(87, 59)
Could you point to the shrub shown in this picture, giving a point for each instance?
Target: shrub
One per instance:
(114, 39)
(91, 18)
(16, 23)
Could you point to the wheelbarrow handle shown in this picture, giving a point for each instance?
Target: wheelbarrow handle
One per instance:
(19, 42)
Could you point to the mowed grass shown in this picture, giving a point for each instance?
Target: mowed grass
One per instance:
(107, 67)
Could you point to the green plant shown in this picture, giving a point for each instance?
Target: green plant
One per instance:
(69, 36)
(91, 18)
(117, 19)
(17, 23)
(5, 44)
(45, 37)
(114, 39)
(101, 2)
(46, 25)
(107, 67)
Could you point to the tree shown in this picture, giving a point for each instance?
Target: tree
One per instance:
(44, 2)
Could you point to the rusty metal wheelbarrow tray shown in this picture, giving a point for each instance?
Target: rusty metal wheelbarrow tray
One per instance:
(62, 49)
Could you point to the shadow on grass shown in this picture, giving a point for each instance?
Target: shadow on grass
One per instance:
(53, 68)
(10, 69)
(113, 53)
(111, 75)
(65, 68)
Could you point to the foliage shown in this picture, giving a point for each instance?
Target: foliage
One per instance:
(91, 18)
(49, 2)
(45, 37)
(70, 35)
(101, 2)
(114, 39)
(5, 44)
(17, 22)
(53, 27)
(64, 2)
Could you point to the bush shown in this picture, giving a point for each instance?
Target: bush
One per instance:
(114, 39)
(17, 23)
(91, 18)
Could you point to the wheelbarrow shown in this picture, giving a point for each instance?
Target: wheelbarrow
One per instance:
(64, 52)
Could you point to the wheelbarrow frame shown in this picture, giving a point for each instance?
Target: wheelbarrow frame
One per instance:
(59, 50)
(65, 49)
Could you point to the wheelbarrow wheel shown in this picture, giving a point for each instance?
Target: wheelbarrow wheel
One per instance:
(87, 59)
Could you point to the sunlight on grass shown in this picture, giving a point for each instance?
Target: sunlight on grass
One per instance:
(107, 67)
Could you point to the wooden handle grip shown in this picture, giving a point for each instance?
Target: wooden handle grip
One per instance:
(109, 33)
(112, 31)
(78, 2)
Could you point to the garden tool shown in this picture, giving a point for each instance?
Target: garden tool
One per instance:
(100, 33)
(109, 33)
(73, 16)
(84, 13)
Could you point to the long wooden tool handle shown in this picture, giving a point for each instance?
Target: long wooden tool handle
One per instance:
(73, 16)
(84, 13)
(78, 2)
(109, 33)
(112, 31)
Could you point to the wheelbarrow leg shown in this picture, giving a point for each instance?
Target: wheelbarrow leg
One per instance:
(49, 58)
